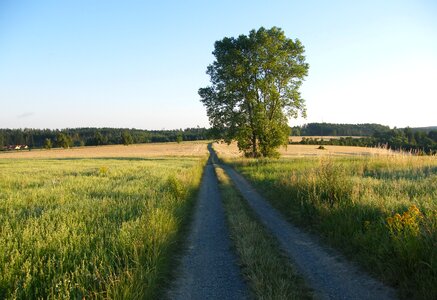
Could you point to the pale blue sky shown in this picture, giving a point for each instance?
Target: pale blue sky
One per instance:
(140, 63)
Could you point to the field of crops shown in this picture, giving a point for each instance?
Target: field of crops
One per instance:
(380, 211)
(136, 150)
(297, 139)
(231, 151)
(86, 228)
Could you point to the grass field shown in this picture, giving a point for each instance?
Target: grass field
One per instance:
(135, 150)
(93, 228)
(231, 151)
(379, 210)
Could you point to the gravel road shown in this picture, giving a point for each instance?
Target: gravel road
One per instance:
(327, 272)
(209, 268)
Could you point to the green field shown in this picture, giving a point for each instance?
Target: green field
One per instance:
(379, 211)
(91, 228)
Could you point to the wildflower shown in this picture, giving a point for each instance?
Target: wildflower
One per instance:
(407, 223)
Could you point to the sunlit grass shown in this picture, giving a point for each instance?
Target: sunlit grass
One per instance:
(381, 211)
(91, 228)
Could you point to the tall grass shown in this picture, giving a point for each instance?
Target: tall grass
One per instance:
(380, 211)
(91, 228)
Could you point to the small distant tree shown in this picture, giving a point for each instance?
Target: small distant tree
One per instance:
(295, 131)
(179, 137)
(48, 144)
(63, 140)
(77, 140)
(126, 138)
(99, 139)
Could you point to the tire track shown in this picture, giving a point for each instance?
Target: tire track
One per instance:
(209, 268)
(327, 272)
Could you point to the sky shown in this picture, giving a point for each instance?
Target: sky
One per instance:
(139, 64)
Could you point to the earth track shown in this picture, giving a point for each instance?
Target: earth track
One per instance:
(209, 269)
(328, 273)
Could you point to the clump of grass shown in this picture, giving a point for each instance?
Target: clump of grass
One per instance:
(380, 211)
(268, 272)
(103, 170)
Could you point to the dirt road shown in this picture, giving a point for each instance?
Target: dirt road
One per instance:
(209, 268)
(326, 271)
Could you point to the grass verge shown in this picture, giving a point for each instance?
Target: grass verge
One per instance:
(379, 211)
(268, 272)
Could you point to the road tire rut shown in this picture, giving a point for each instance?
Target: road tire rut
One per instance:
(326, 271)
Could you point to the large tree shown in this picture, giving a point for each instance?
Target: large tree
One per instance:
(254, 90)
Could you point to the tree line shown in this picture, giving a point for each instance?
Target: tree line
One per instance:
(75, 137)
(406, 139)
(332, 129)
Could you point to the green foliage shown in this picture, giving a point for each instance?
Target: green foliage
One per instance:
(98, 136)
(332, 129)
(409, 140)
(255, 89)
(64, 141)
(332, 184)
(381, 211)
(179, 137)
(77, 140)
(126, 138)
(175, 187)
(99, 139)
(48, 144)
(372, 135)
(78, 230)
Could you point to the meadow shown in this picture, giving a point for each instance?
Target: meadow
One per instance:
(93, 227)
(379, 210)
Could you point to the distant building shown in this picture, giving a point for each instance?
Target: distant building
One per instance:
(15, 147)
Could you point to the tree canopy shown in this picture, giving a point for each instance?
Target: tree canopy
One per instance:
(254, 90)
(333, 129)
(126, 138)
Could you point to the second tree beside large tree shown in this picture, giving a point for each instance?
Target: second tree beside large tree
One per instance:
(255, 89)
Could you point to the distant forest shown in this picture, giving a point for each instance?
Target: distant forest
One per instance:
(331, 129)
(74, 137)
(420, 140)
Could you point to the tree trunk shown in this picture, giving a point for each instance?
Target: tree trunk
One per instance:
(254, 154)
